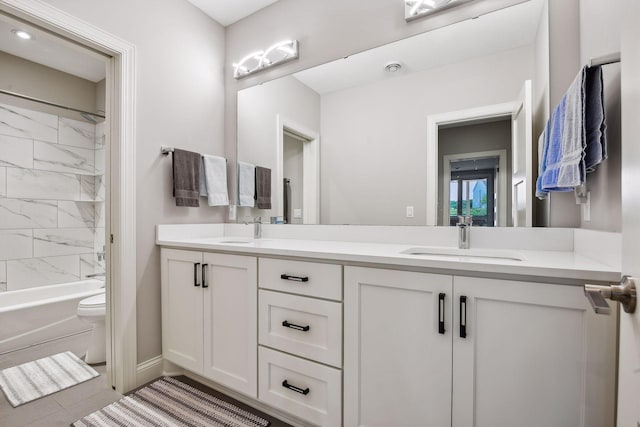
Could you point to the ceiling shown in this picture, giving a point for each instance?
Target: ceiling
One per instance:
(50, 50)
(494, 32)
(227, 12)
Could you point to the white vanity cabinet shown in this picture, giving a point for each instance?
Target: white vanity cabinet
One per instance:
(209, 316)
(534, 355)
(513, 353)
(397, 348)
(300, 337)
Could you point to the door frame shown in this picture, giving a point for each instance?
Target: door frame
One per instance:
(120, 207)
(310, 169)
(501, 178)
(434, 122)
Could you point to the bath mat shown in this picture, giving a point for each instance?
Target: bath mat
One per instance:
(33, 380)
(169, 402)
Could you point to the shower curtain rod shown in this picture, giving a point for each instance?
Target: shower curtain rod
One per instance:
(42, 101)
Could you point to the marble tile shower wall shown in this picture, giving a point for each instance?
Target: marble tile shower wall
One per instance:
(51, 193)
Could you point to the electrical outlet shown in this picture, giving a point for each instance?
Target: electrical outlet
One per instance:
(232, 212)
(409, 211)
(297, 213)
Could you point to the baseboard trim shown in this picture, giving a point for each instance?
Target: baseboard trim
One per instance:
(149, 370)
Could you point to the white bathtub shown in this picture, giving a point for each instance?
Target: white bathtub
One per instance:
(36, 315)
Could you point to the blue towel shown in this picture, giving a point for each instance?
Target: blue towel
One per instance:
(595, 126)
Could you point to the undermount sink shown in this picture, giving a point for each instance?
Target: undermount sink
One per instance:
(237, 241)
(486, 254)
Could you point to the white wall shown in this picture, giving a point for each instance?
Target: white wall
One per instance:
(380, 132)
(180, 102)
(258, 109)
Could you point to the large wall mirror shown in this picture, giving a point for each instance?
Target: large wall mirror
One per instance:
(415, 132)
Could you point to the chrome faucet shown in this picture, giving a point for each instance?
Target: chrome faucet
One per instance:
(464, 231)
(101, 254)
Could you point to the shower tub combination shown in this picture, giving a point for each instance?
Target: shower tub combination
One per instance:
(37, 315)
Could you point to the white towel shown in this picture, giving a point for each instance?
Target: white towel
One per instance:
(246, 184)
(213, 180)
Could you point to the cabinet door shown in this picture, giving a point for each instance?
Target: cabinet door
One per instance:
(397, 364)
(534, 355)
(182, 308)
(230, 321)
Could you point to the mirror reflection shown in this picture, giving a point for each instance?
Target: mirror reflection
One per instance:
(410, 133)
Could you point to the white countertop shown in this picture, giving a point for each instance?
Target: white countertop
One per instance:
(558, 266)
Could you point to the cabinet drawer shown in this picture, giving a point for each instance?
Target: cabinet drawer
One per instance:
(305, 389)
(306, 327)
(303, 278)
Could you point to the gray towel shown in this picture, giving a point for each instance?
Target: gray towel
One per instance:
(186, 178)
(263, 188)
(595, 126)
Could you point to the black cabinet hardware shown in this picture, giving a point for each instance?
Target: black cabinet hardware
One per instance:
(296, 327)
(204, 276)
(294, 278)
(463, 316)
(304, 391)
(195, 274)
(441, 313)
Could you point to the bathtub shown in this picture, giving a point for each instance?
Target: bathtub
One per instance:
(36, 315)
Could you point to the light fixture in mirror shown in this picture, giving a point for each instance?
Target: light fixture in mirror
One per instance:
(353, 141)
(414, 9)
(279, 53)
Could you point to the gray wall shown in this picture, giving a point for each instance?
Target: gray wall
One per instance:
(474, 138)
(180, 102)
(380, 131)
(600, 35)
(327, 30)
(35, 80)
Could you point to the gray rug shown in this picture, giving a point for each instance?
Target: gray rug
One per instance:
(168, 402)
(33, 380)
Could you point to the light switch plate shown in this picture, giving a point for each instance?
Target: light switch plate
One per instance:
(409, 211)
(232, 212)
(297, 213)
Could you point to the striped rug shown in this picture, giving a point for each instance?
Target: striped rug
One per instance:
(168, 402)
(33, 380)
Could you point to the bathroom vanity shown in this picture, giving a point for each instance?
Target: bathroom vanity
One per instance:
(344, 333)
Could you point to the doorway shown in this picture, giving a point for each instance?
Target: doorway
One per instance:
(120, 218)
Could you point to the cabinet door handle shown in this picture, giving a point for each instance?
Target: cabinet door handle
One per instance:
(441, 313)
(195, 274)
(304, 391)
(463, 316)
(204, 276)
(294, 278)
(296, 327)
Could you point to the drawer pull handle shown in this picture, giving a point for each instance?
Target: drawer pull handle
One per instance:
(304, 391)
(294, 278)
(296, 327)
(195, 274)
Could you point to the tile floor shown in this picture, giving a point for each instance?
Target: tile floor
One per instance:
(64, 407)
(67, 406)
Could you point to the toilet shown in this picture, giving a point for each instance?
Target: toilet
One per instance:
(92, 310)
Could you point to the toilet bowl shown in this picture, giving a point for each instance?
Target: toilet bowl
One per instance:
(92, 310)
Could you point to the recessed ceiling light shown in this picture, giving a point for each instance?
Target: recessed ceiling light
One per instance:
(22, 34)
(392, 67)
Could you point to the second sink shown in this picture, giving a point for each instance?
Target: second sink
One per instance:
(466, 253)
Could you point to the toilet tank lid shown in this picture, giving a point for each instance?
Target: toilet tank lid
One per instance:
(93, 301)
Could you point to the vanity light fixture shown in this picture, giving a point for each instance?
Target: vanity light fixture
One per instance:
(414, 9)
(279, 53)
(22, 34)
